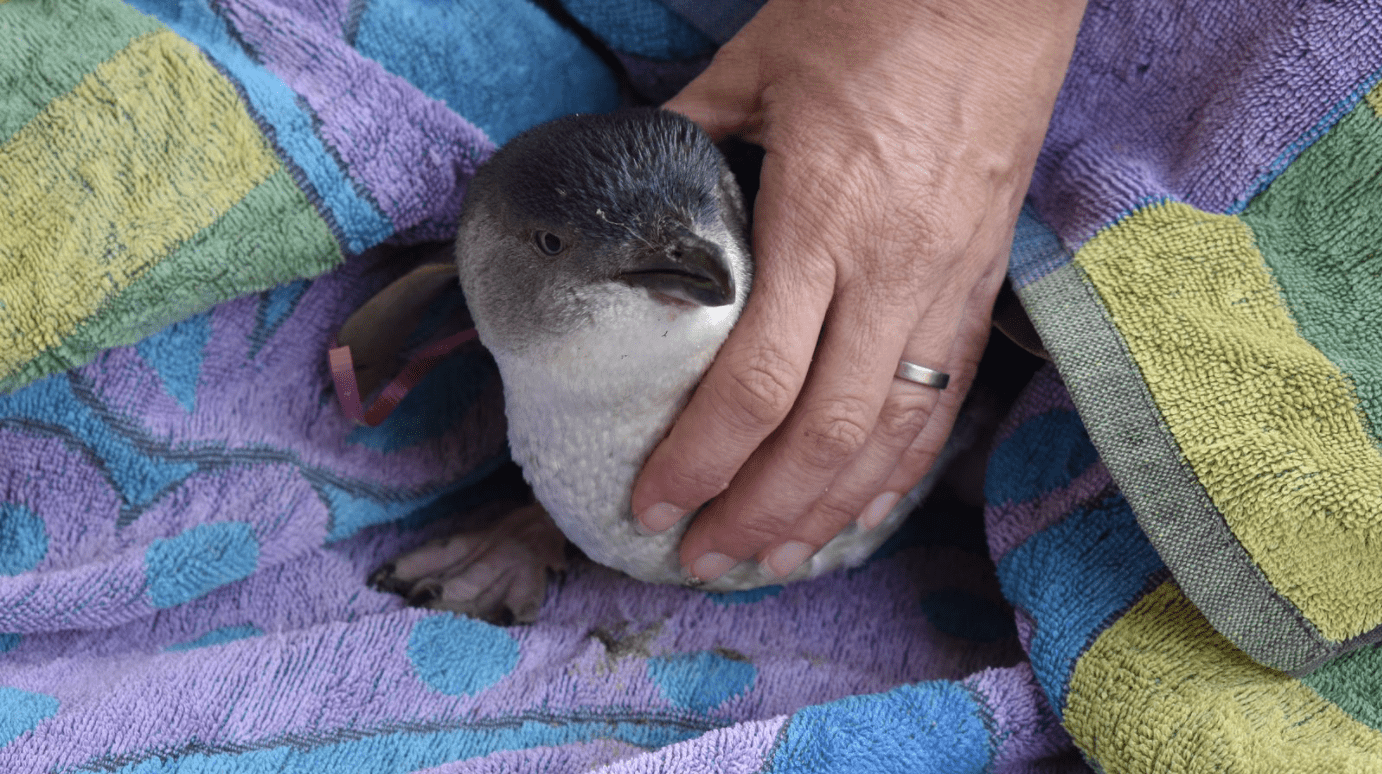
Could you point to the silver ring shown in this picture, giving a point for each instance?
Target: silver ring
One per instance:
(922, 375)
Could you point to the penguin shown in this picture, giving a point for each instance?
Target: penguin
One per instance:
(604, 260)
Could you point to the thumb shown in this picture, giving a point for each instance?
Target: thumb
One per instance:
(725, 98)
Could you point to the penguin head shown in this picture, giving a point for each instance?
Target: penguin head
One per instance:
(602, 224)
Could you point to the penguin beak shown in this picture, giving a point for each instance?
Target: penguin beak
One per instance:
(684, 266)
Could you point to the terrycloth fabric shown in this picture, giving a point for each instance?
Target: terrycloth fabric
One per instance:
(187, 520)
(150, 170)
(1140, 678)
(1204, 270)
(186, 529)
(644, 28)
(190, 191)
(1204, 507)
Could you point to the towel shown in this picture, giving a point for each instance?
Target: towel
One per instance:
(1174, 571)
(187, 527)
(1185, 509)
(163, 156)
(196, 196)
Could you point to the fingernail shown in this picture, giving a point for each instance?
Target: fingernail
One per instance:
(711, 566)
(789, 556)
(660, 517)
(881, 506)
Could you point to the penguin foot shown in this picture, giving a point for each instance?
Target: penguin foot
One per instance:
(497, 573)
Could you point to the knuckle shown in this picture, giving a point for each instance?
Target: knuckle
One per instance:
(761, 389)
(930, 236)
(836, 433)
(743, 534)
(699, 483)
(829, 518)
(759, 531)
(903, 418)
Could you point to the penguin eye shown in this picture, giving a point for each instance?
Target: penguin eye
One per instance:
(548, 243)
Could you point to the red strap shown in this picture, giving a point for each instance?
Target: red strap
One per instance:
(348, 389)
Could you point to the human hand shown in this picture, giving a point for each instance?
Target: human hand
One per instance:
(900, 138)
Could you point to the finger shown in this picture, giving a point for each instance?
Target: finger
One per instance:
(919, 458)
(749, 389)
(837, 416)
(858, 492)
(724, 99)
(912, 427)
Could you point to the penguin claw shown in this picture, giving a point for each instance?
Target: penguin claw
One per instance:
(501, 617)
(424, 595)
(383, 579)
(498, 573)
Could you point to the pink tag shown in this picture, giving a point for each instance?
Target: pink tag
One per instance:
(348, 389)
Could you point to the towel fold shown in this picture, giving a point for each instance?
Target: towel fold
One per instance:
(1177, 567)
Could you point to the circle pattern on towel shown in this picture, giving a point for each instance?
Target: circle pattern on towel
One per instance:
(701, 681)
(1042, 455)
(23, 539)
(23, 712)
(744, 597)
(200, 560)
(461, 656)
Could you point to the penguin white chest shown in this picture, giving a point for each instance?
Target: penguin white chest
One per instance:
(586, 409)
